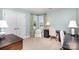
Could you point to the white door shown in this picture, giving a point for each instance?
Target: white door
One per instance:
(10, 17)
(21, 24)
(16, 22)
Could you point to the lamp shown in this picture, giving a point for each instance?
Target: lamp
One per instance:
(72, 26)
(3, 25)
(47, 24)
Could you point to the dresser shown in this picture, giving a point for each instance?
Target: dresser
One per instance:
(11, 42)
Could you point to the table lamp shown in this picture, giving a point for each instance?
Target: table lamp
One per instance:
(47, 24)
(72, 26)
(3, 25)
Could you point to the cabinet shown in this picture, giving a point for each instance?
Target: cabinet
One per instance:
(16, 22)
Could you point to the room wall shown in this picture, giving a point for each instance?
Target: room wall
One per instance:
(28, 24)
(77, 14)
(21, 11)
(28, 16)
(0, 13)
(59, 18)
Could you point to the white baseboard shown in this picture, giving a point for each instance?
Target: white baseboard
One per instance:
(25, 37)
(28, 36)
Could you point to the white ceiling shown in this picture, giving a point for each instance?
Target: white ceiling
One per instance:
(36, 10)
(42, 10)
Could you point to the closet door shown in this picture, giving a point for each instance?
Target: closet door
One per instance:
(16, 22)
(10, 17)
(21, 24)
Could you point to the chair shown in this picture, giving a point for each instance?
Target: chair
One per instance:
(61, 39)
(38, 33)
(52, 33)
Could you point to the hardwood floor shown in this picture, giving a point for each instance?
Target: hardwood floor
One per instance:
(40, 44)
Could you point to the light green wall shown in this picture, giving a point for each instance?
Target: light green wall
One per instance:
(77, 14)
(60, 18)
(28, 16)
(21, 11)
(31, 25)
(1, 14)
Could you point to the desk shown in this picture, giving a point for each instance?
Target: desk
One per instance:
(11, 42)
(71, 42)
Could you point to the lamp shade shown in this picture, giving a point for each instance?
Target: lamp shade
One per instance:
(73, 24)
(48, 23)
(3, 24)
